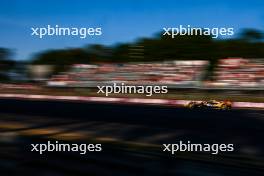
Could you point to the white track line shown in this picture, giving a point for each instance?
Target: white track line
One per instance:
(123, 100)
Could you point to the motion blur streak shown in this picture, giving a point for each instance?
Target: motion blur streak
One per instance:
(129, 134)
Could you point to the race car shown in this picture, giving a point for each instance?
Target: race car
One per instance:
(211, 104)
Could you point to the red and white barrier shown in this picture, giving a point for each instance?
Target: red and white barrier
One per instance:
(120, 100)
(247, 105)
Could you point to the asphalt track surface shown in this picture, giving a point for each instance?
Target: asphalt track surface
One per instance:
(132, 138)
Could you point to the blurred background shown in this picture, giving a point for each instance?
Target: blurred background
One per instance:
(131, 50)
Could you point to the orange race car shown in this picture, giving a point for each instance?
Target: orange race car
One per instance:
(211, 104)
